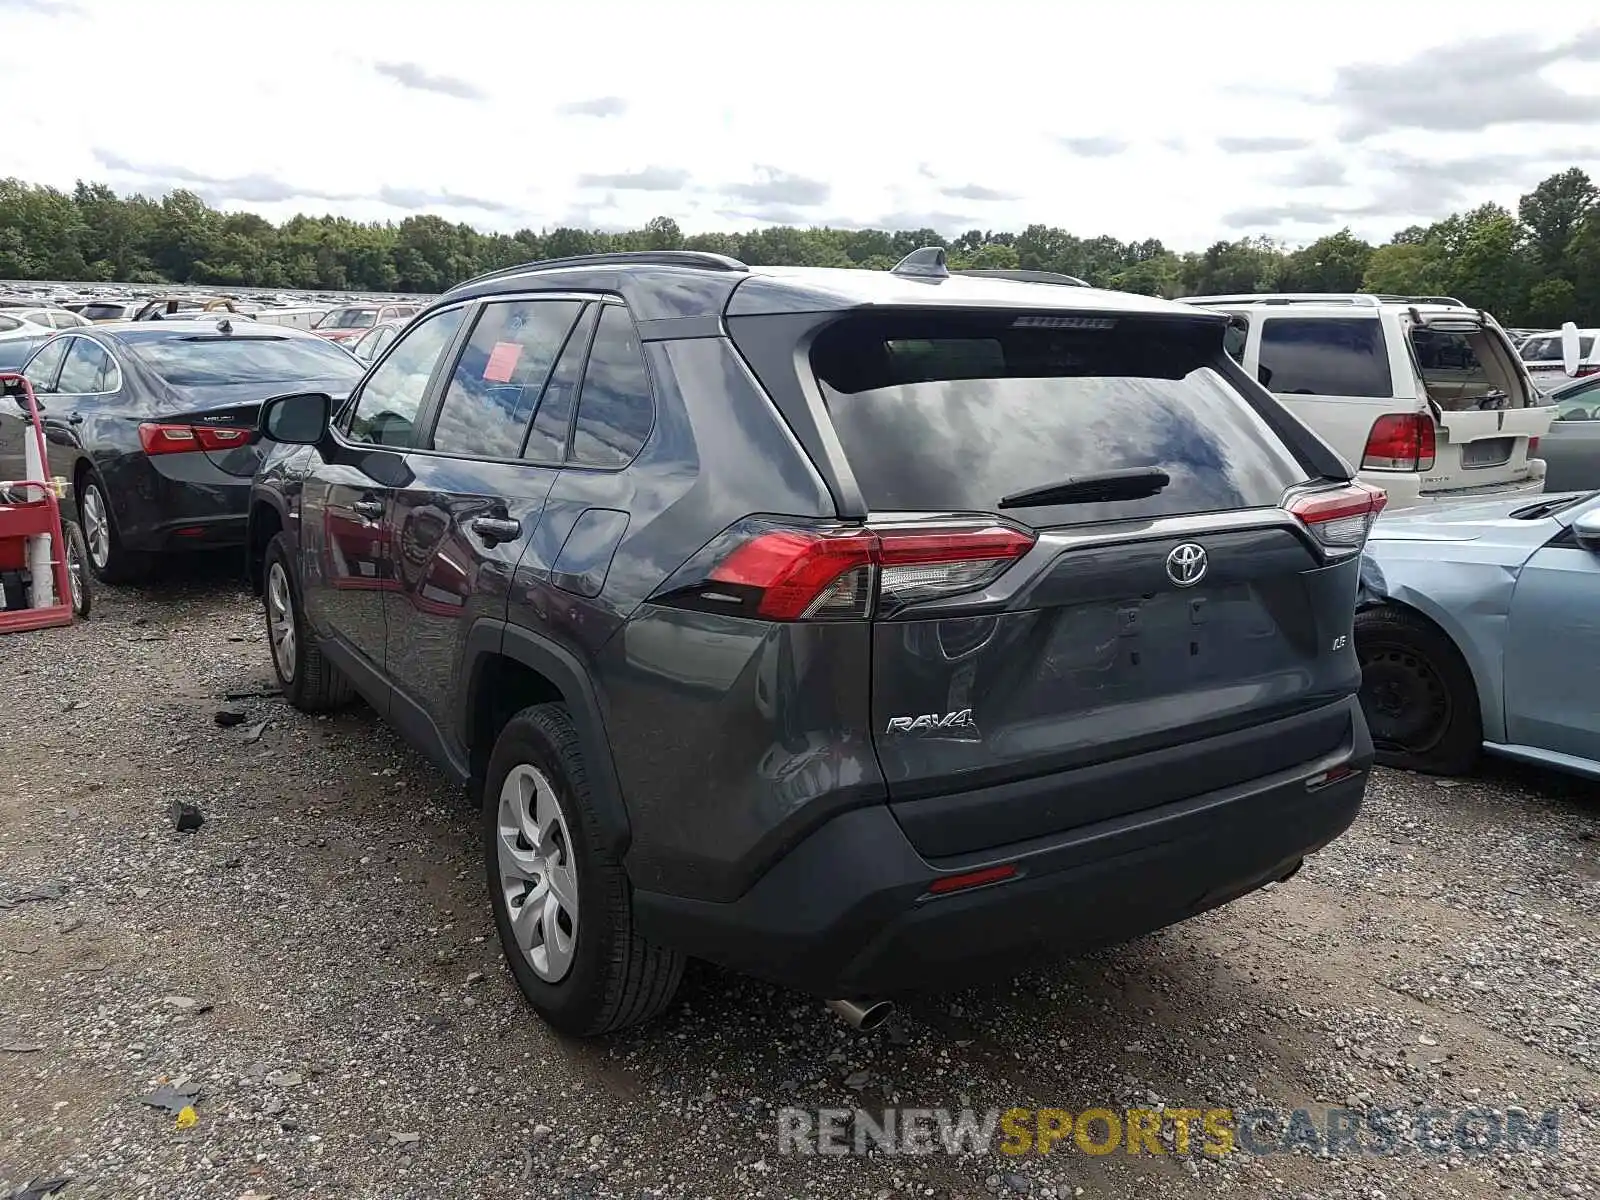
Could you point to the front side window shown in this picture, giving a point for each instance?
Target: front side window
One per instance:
(501, 375)
(1324, 356)
(87, 369)
(386, 410)
(614, 408)
(41, 371)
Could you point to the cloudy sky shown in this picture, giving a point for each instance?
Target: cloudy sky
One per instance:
(1179, 120)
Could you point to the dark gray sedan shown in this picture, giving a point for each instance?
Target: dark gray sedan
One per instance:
(153, 424)
(1572, 447)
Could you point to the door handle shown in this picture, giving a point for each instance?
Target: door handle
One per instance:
(370, 509)
(494, 530)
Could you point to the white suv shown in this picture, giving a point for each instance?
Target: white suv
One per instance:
(1425, 397)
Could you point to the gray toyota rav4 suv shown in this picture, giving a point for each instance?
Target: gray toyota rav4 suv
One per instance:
(862, 631)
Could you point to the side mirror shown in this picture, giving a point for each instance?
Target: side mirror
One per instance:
(300, 419)
(1570, 350)
(1587, 530)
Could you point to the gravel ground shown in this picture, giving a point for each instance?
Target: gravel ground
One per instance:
(318, 965)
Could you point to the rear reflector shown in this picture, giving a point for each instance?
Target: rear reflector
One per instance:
(180, 439)
(1400, 442)
(946, 884)
(797, 574)
(1340, 518)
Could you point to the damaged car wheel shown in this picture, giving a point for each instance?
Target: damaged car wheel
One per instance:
(1419, 697)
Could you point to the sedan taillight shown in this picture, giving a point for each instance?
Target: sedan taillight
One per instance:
(157, 438)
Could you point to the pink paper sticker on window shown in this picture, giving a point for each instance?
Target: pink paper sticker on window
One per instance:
(502, 362)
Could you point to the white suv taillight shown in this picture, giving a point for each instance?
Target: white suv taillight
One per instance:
(1340, 518)
(788, 573)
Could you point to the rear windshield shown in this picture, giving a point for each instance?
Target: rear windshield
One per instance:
(348, 318)
(1548, 349)
(102, 312)
(956, 414)
(208, 361)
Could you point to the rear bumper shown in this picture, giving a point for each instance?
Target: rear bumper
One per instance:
(1405, 490)
(847, 911)
(182, 502)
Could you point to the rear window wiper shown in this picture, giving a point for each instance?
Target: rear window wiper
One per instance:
(1131, 483)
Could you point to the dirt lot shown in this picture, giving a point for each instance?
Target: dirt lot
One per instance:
(318, 960)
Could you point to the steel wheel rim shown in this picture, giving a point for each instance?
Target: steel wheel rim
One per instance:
(1395, 681)
(96, 529)
(538, 877)
(280, 621)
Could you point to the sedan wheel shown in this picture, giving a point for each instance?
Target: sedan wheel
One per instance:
(96, 527)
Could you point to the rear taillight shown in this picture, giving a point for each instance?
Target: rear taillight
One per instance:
(1340, 518)
(1533, 446)
(180, 439)
(1587, 369)
(1400, 442)
(789, 573)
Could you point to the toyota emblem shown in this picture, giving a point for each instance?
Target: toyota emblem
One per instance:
(1186, 565)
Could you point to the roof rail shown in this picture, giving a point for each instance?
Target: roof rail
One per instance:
(703, 259)
(1358, 299)
(1055, 277)
(1450, 300)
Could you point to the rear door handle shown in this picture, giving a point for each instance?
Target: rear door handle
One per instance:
(496, 529)
(370, 509)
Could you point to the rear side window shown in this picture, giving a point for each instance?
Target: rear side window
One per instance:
(958, 413)
(500, 376)
(88, 369)
(1324, 356)
(614, 409)
(7, 324)
(547, 440)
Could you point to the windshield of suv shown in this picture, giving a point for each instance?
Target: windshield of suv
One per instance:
(213, 361)
(348, 318)
(955, 413)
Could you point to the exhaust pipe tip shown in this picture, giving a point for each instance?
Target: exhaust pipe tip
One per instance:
(865, 1015)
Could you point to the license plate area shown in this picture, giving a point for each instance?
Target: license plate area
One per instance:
(1487, 452)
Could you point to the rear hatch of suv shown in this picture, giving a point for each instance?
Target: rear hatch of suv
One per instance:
(1101, 580)
(1488, 416)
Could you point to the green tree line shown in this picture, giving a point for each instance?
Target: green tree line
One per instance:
(1537, 267)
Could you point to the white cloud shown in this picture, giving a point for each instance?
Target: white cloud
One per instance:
(1142, 119)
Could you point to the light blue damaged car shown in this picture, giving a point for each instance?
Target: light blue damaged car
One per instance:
(1478, 629)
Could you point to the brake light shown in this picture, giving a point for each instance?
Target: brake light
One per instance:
(797, 574)
(1588, 369)
(1340, 518)
(1400, 442)
(157, 438)
(1533, 446)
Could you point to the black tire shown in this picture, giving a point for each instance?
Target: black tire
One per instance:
(121, 565)
(1418, 694)
(616, 979)
(311, 683)
(78, 570)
